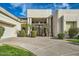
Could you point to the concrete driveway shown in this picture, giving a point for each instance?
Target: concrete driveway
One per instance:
(44, 46)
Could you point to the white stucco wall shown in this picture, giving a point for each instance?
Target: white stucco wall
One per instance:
(69, 15)
(55, 24)
(39, 13)
(10, 31)
(9, 20)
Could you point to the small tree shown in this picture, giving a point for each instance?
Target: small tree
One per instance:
(25, 27)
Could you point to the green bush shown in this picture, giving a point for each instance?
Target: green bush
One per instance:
(76, 37)
(72, 32)
(22, 33)
(61, 35)
(33, 33)
(2, 29)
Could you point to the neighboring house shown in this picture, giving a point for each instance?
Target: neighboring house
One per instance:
(48, 23)
(10, 22)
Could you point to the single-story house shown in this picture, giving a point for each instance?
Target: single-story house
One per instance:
(50, 23)
(47, 22)
(10, 22)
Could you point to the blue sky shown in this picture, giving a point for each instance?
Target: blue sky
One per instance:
(19, 9)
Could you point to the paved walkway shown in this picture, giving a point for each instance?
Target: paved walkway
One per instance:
(44, 46)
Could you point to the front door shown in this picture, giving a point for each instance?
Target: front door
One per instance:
(41, 30)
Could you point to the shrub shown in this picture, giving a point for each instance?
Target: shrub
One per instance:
(72, 32)
(61, 35)
(2, 29)
(33, 33)
(21, 33)
(76, 36)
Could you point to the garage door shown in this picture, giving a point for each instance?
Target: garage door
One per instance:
(9, 32)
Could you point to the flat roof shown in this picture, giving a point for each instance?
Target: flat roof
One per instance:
(39, 13)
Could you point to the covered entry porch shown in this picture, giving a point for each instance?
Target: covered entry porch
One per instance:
(41, 20)
(43, 26)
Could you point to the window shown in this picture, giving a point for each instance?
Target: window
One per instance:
(71, 24)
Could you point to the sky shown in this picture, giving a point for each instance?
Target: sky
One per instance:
(20, 9)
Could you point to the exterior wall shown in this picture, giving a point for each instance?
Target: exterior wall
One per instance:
(68, 15)
(9, 20)
(39, 13)
(55, 24)
(11, 25)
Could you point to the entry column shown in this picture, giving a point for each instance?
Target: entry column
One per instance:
(47, 29)
(29, 22)
(49, 26)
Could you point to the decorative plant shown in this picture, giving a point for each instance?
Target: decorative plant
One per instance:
(22, 33)
(61, 35)
(33, 33)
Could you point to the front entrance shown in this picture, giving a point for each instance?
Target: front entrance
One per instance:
(40, 26)
(41, 30)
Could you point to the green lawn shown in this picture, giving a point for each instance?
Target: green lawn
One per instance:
(7, 50)
(74, 40)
